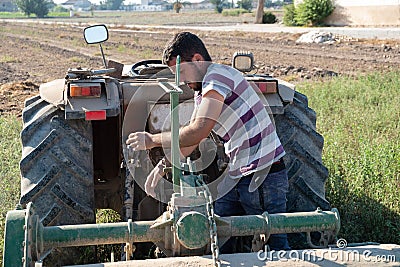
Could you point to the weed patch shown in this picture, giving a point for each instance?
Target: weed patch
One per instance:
(359, 119)
(10, 154)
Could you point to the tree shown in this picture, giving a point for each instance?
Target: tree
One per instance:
(110, 4)
(260, 12)
(276, 3)
(219, 5)
(116, 4)
(26, 6)
(245, 4)
(178, 6)
(41, 8)
(38, 7)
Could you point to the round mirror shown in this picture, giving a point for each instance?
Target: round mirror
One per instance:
(95, 34)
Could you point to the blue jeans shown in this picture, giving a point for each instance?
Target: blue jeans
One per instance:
(270, 196)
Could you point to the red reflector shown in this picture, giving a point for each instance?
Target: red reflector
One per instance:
(269, 87)
(95, 115)
(85, 91)
(262, 86)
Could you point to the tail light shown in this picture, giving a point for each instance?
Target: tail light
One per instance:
(265, 86)
(268, 87)
(85, 89)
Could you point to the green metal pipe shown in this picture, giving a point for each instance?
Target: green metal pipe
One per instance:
(105, 233)
(113, 233)
(279, 223)
(14, 236)
(24, 234)
(304, 222)
(175, 150)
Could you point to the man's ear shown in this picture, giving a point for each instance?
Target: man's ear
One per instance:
(197, 57)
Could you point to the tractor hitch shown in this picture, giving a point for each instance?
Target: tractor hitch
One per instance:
(27, 240)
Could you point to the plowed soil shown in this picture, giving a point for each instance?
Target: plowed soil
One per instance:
(34, 53)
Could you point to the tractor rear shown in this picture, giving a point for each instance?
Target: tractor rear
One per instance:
(74, 161)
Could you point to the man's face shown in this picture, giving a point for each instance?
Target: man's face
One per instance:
(190, 73)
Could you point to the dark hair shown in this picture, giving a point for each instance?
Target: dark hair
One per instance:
(185, 44)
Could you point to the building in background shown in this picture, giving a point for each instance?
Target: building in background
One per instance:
(77, 5)
(146, 5)
(364, 13)
(8, 6)
(199, 4)
(161, 5)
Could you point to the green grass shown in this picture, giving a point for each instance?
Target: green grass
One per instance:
(359, 119)
(12, 15)
(10, 154)
(19, 15)
(58, 14)
(76, 60)
(104, 251)
(234, 12)
(8, 59)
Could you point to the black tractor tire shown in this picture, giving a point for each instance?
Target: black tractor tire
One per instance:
(296, 129)
(57, 170)
(307, 174)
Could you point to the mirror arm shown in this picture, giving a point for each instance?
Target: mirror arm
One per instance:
(102, 54)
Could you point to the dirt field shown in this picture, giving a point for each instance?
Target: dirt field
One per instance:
(33, 53)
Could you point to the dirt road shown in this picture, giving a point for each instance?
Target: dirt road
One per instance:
(33, 53)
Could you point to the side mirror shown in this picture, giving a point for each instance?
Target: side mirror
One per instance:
(243, 61)
(95, 34)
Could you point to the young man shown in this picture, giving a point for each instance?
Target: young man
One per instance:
(226, 103)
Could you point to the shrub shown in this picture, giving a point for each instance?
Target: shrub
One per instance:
(289, 15)
(59, 9)
(313, 12)
(269, 18)
(234, 12)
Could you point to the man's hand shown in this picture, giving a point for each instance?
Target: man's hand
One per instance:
(140, 141)
(153, 178)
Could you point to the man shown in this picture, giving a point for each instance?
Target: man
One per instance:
(226, 103)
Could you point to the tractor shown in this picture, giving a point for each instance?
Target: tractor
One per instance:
(74, 161)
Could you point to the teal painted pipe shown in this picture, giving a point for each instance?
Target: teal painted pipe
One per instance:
(105, 233)
(24, 227)
(279, 223)
(305, 222)
(112, 233)
(175, 150)
(14, 236)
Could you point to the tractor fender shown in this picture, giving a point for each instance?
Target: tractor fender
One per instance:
(286, 91)
(108, 102)
(53, 92)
